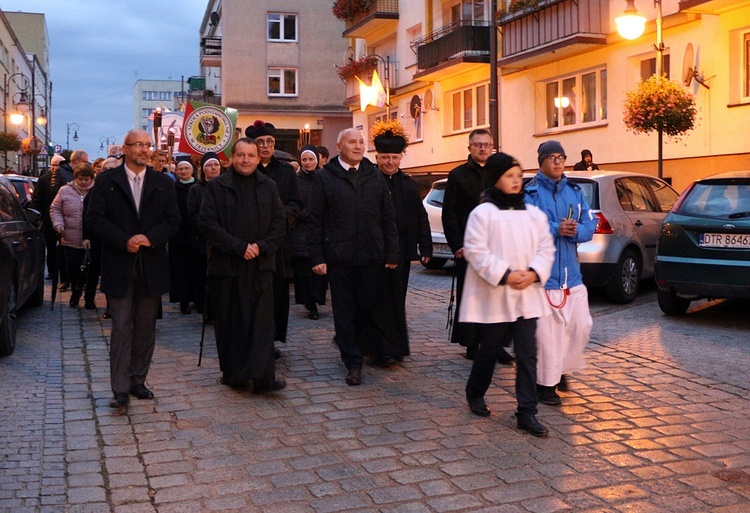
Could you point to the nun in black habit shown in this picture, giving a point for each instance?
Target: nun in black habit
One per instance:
(243, 221)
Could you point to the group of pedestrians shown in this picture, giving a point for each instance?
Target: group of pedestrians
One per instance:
(351, 225)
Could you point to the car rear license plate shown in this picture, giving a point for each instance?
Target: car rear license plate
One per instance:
(441, 248)
(725, 240)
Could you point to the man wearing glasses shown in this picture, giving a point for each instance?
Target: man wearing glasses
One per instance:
(133, 212)
(286, 182)
(563, 335)
(462, 192)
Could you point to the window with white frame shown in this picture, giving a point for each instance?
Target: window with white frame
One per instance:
(150, 95)
(469, 108)
(282, 82)
(576, 100)
(282, 27)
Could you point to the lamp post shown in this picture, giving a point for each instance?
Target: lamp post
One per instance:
(67, 132)
(106, 141)
(631, 26)
(23, 87)
(369, 94)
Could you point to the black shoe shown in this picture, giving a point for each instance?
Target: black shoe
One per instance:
(185, 307)
(383, 361)
(106, 314)
(547, 395)
(354, 377)
(75, 297)
(262, 387)
(141, 392)
(276, 353)
(232, 384)
(119, 401)
(479, 407)
(505, 358)
(531, 425)
(89, 305)
(313, 315)
(562, 386)
(471, 352)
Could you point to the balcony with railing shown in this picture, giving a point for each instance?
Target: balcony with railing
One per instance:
(452, 49)
(551, 30)
(211, 51)
(382, 14)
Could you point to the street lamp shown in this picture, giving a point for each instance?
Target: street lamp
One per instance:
(75, 134)
(372, 94)
(630, 26)
(106, 141)
(22, 87)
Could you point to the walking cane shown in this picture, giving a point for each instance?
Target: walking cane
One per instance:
(449, 323)
(203, 328)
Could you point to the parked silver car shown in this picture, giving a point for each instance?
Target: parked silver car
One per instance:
(630, 208)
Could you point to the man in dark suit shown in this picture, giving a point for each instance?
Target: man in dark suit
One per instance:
(353, 238)
(133, 211)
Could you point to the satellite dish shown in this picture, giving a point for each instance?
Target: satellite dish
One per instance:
(687, 65)
(690, 68)
(348, 55)
(428, 99)
(214, 18)
(415, 106)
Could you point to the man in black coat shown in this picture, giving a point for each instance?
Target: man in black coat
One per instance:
(462, 191)
(133, 211)
(286, 182)
(353, 238)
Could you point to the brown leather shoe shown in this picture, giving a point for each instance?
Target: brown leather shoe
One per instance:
(354, 377)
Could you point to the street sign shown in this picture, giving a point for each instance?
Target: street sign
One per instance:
(58, 149)
(43, 151)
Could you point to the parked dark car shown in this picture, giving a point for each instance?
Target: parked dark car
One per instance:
(24, 186)
(21, 262)
(704, 244)
(629, 207)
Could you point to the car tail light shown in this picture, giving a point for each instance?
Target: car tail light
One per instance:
(602, 225)
(678, 203)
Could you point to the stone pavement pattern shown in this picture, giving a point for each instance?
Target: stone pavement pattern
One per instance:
(637, 432)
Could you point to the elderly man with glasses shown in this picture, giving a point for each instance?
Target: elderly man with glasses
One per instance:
(562, 336)
(462, 192)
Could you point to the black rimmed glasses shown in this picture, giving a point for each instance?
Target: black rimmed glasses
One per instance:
(556, 159)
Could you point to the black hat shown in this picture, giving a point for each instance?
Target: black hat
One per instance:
(584, 153)
(259, 129)
(548, 148)
(499, 163)
(389, 143)
(209, 156)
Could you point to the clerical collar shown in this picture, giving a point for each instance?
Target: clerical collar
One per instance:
(348, 166)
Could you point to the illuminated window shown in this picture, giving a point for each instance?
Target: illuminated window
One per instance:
(576, 100)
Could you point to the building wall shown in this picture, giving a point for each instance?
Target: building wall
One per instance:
(246, 55)
(165, 87)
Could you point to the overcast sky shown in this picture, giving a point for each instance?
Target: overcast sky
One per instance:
(99, 48)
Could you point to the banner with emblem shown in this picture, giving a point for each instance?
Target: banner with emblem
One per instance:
(207, 127)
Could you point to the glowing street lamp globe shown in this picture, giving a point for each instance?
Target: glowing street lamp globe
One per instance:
(631, 24)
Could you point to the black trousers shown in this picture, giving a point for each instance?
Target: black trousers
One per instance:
(353, 296)
(464, 333)
(491, 338)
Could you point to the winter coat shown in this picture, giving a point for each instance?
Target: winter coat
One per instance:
(217, 216)
(412, 222)
(563, 200)
(67, 211)
(113, 218)
(301, 229)
(351, 225)
(194, 199)
(496, 242)
(462, 191)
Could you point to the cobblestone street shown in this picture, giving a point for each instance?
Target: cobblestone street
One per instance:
(640, 430)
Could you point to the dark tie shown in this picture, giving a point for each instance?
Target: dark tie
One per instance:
(352, 169)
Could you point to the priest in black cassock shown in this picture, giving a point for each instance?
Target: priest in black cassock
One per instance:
(243, 221)
(385, 335)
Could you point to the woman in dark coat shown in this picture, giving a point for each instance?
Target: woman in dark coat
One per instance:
(210, 169)
(182, 263)
(243, 220)
(309, 288)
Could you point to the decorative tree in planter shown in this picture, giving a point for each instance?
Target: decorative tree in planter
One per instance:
(9, 142)
(660, 104)
(359, 68)
(349, 10)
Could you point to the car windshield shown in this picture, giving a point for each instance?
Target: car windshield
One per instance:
(717, 199)
(589, 189)
(436, 195)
